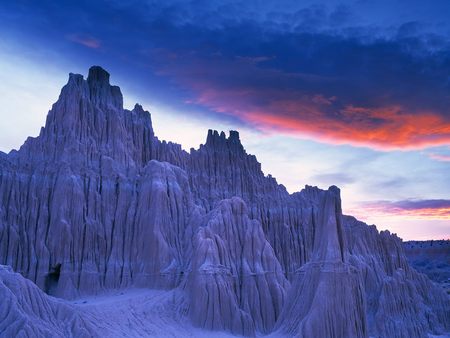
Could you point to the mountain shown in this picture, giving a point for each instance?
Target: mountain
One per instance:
(98, 203)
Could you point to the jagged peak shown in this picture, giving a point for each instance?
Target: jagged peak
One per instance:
(335, 191)
(143, 117)
(313, 193)
(216, 139)
(98, 88)
(101, 92)
(76, 79)
(95, 91)
(138, 108)
(140, 111)
(99, 75)
(234, 136)
(214, 135)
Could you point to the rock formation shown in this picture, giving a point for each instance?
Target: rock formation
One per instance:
(26, 311)
(98, 202)
(327, 297)
(235, 278)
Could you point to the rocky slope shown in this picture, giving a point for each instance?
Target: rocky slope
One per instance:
(26, 311)
(97, 202)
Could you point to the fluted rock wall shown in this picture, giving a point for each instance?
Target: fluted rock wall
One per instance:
(96, 201)
(26, 311)
(97, 229)
(411, 306)
(236, 281)
(382, 261)
(327, 297)
(223, 166)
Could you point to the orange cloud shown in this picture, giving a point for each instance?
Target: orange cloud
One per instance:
(307, 105)
(317, 117)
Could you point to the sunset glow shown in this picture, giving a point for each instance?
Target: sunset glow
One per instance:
(322, 93)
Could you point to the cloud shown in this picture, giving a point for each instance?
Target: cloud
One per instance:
(84, 40)
(439, 157)
(338, 179)
(276, 101)
(297, 114)
(430, 209)
(325, 71)
(334, 89)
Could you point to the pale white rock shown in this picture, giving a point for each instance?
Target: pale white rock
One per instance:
(327, 297)
(236, 282)
(400, 301)
(411, 309)
(98, 229)
(26, 311)
(97, 202)
(222, 169)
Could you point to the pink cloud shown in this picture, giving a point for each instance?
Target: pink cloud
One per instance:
(301, 115)
(410, 209)
(84, 40)
(439, 157)
(273, 100)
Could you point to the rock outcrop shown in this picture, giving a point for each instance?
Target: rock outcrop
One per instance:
(98, 202)
(236, 282)
(327, 297)
(26, 311)
(385, 270)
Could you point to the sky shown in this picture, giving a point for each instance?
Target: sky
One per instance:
(351, 93)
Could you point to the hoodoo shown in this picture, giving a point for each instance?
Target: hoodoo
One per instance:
(327, 297)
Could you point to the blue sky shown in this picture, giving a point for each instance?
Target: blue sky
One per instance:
(352, 93)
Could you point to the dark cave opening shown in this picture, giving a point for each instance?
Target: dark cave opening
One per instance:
(52, 278)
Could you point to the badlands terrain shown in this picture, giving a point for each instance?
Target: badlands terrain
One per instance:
(107, 231)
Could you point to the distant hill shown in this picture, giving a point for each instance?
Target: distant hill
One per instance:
(431, 258)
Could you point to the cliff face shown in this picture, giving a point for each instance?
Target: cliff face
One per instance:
(97, 202)
(327, 297)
